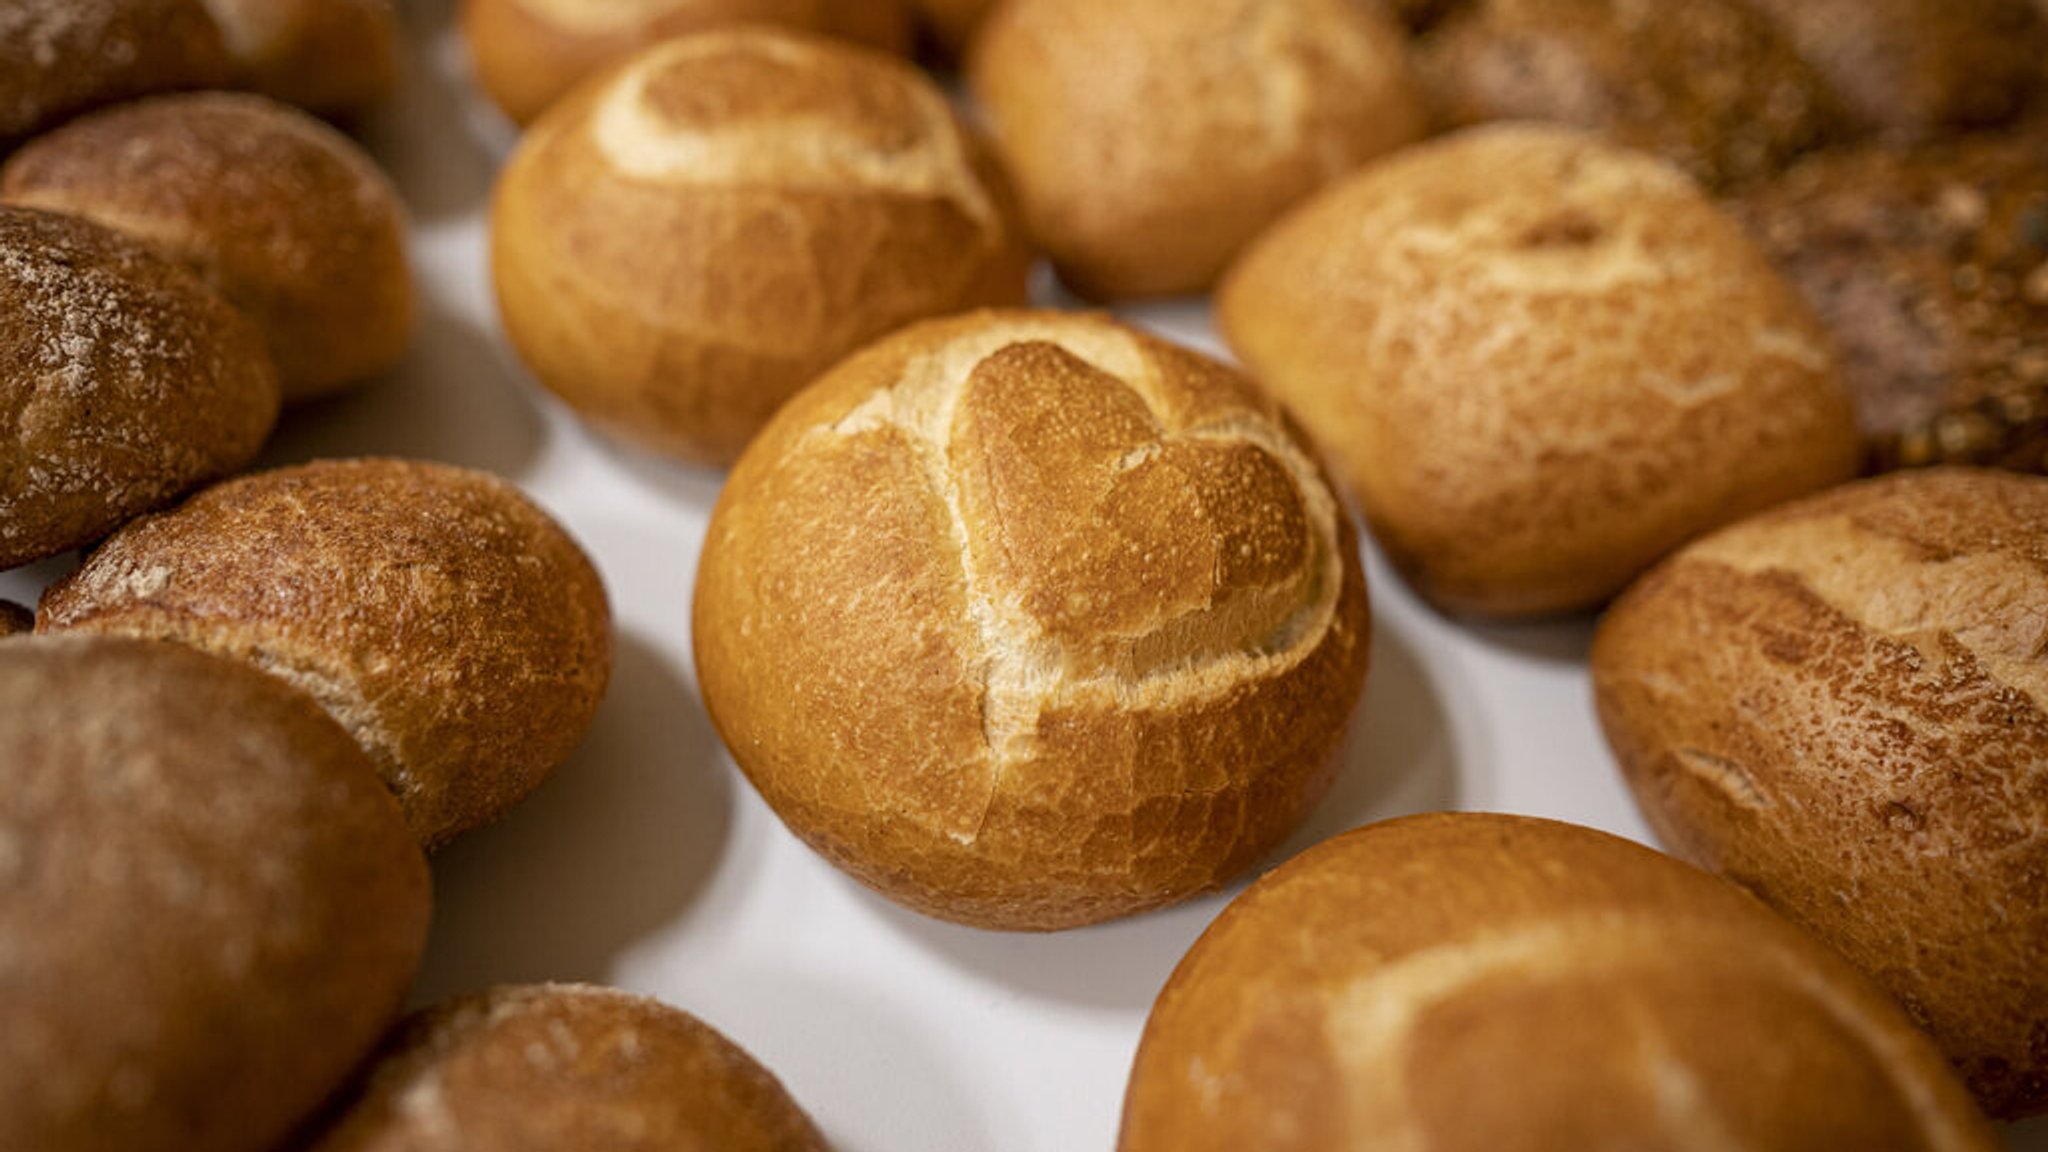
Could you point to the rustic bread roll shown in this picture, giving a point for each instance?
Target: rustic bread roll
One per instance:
(1517, 985)
(126, 382)
(1842, 705)
(683, 246)
(286, 217)
(449, 624)
(545, 1068)
(529, 53)
(1540, 361)
(212, 908)
(1152, 139)
(1708, 85)
(1930, 265)
(332, 57)
(62, 57)
(1028, 620)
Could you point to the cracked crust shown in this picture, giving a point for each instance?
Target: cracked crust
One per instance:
(1028, 620)
(1843, 704)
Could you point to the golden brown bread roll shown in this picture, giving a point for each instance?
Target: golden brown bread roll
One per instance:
(1115, 613)
(332, 57)
(683, 246)
(212, 907)
(530, 53)
(1540, 361)
(127, 383)
(1842, 705)
(546, 1068)
(1152, 139)
(1497, 983)
(286, 217)
(62, 57)
(446, 621)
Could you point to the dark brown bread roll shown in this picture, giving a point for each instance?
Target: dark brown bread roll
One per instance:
(334, 58)
(62, 57)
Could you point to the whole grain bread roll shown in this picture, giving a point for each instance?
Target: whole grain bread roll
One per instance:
(530, 53)
(286, 217)
(212, 909)
(683, 245)
(1842, 705)
(1517, 985)
(544, 1068)
(1152, 139)
(335, 58)
(127, 383)
(1028, 620)
(1540, 361)
(453, 628)
(62, 57)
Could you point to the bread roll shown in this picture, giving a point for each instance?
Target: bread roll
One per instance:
(1706, 84)
(212, 908)
(1152, 139)
(1841, 704)
(529, 53)
(448, 623)
(1517, 985)
(127, 382)
(546, 1068)
(332, 57)
(288, 218)
(62, 57)
(1930, 266)
(1028, 620)
(683, 246)
(1540, 361)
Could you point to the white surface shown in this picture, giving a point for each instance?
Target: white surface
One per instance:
(649, 863)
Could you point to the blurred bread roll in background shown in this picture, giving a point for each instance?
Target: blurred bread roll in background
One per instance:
(335, 58)
(62, 57)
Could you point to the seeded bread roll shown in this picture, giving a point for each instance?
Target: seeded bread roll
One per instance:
(1707, 84)
(213, 908)
(448, 623)
(1115, 612)
(1842, 705)
(14, 619)
(286, 217)
(530, 53)
(126, 383)
(684, 245)
(335, 58)
(1541, 362)
(543, 1068)
(1152, 139)
(1517, 985)
(62, 57)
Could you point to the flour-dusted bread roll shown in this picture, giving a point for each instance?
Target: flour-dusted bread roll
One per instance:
(127, 382)
(1518, 985)
(529, 53)
(684, 245)
(1540, 361)
(212, 907)
(332, 57)
(1709, 85)
(446, 621)
(62, 57)
(553, 1067)
(286, 217)
(1028, 620)
(1151, 139)
(1930, 266)
(1843, 705)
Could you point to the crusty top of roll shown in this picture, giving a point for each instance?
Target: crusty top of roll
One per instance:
(61, 57)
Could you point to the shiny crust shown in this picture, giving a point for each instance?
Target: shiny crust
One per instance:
(62, 57)
(334, 58)
(1842, 705)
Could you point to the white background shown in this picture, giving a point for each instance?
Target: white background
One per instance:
(649, 863)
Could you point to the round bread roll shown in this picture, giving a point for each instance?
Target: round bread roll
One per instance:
(127, 382)
(1930, 265)
(212, 907)
(1708, 85)
(336, 58)
(544, 1068)
(448, 623)
(1028, 620)
(1518, 985)
(1541, 362)
(529, 53)
(683, 246)
(1842, 705)
(283, 215)
(14, 619)
(1152, 139)
(62, 57)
